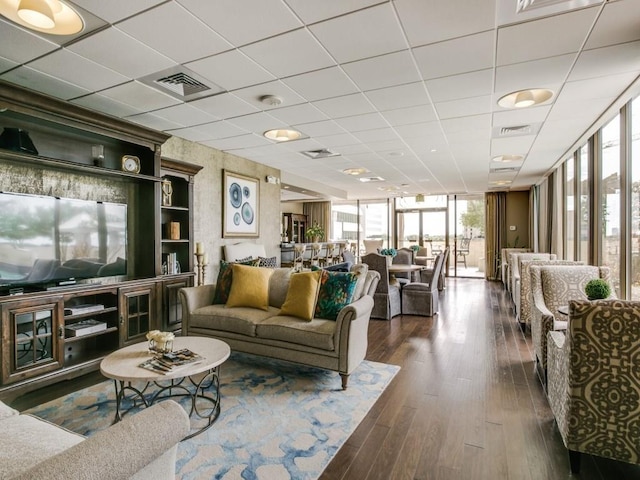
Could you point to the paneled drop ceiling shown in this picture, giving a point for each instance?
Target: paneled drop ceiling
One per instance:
(405, 89)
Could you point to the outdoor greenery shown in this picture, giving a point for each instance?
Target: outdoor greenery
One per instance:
(473, 218)
(597, 289)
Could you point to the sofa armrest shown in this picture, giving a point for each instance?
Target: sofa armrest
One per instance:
(121, 450)
(193, 298)
(351, 333)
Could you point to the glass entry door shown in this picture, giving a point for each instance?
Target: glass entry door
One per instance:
(466, 236)
(426, 228)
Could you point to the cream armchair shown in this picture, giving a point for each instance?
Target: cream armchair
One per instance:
(523, 311)
(594, 380)
(504, 264)
(514, 265)
(552, 287)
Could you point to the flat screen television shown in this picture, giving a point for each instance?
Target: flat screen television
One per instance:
(51, 241)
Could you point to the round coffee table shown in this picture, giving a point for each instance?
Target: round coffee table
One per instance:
(199, 382)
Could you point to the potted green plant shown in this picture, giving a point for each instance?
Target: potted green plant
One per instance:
(597, 289)
(315, 232)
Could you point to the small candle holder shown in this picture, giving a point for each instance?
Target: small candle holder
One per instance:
(201, 265)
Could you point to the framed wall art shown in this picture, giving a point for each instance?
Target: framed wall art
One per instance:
(240, 205)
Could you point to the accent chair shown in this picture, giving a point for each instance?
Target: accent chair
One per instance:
(421, 298)
(517, 258)
(594, 380)
(404, 257)
(386, 299)
(552, 287)
(504, 264)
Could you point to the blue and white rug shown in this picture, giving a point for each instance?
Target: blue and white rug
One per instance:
(278, 420)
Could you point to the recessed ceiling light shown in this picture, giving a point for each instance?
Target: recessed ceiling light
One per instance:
(525, 98)
(48, 16)
(282, 134)
(371, 179)
(433, 150)
(501, 182)
(355, 171)
(395, 154)
(507, 158)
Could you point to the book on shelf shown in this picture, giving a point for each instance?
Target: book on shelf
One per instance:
(84, 308)
(84, 327)
(171, 362)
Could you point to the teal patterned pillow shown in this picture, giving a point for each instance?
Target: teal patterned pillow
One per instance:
(336, 291)
(225, 277)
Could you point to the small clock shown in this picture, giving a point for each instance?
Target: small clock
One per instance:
(131, 164)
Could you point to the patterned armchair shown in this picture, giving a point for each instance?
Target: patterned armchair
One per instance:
(504, 264)
(523, 314)
(594, 380)
(552, 287)
(516, 258)
(386, 299)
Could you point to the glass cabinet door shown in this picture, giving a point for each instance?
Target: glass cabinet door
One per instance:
(34, 343)
(137, 313)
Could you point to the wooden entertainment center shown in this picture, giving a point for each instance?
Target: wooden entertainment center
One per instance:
(37, 347)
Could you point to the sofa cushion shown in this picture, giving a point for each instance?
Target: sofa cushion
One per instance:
(336, 292)
(360, 269)
(29, 441)
(317, 333)
(225, 278)
(279, 286)
(250, 287)
(269, 262)
(302, 295)
(239, 320)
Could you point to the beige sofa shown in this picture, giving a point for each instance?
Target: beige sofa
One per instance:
(338, 345)
(31, 448)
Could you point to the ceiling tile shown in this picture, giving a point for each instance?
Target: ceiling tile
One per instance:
(298, 114)
(367, 33)
(75, 69)
(190, 39)
(546, 37)
(347, 106)
(322, 128)
(256, 122)
(246, 21)
(320, 84)
(602, 87)
(106, 105)
(140, 96)
(378, 134)
(241, 141)
(438, 20)
(359, 123)
(24, 45)
(231, 70)
(466, 85)
(224, 105)
(607, 61)
(534, 74)
(311, 12)
(6, 64)
(150, 120)
(515, 144)
(406, 116)
(417, 129)
(460, 55)
(338, 140)
(520, 116)
(618, 23)
(407, 95)
(116, 10)
(29, 78)
(185, 115)
(464, 107)
(289, 54)
(107, 46)
(210, 131)
(385, 71)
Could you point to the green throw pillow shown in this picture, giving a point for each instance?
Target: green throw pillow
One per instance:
(225, 278)
(336, 292)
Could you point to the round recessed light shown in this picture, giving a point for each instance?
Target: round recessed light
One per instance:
(48, 16)
(282, 134)
(501, 182)
(525, 98)
(507, 158)
(354, 171)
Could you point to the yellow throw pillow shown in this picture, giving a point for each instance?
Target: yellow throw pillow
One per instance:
(250, 287)
(302, 295)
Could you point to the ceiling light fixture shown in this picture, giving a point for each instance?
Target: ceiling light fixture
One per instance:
(282, 134)
(48, 16)
(525, 98)
(271, 100)
(354, 171)
(507, 158)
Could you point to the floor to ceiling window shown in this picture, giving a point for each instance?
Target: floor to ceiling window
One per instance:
(569, 209)
(466, 235)
(634, 247)
(584, 209)
(609, 188)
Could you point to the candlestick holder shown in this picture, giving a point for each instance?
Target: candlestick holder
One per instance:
(200, 268)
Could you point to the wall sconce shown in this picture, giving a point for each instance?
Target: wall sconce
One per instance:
(272, 179)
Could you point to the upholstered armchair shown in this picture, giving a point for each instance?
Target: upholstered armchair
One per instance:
(372, 246)
(404, 256)
(552, 287)
(386, 299)
(504, 264)
(594, 380)
(422, 256)
(523, 312)
(516, 258)
(421, 298)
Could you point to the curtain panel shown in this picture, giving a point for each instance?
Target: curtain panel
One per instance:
(319, 212)
(495, 232)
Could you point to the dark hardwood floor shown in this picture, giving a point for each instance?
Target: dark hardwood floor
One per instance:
(467, 403)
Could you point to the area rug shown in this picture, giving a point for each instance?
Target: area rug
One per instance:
(278, 420)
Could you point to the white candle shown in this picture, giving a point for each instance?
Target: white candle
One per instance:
(198, 248)
(205, 259)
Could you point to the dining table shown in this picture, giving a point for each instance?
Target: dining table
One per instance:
(402, 268)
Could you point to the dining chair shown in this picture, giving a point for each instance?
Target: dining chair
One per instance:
(386, 299)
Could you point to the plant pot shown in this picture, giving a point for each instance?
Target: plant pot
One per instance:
(389, 260)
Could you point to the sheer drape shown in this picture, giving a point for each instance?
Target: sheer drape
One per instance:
(496, 232)
(319, 212)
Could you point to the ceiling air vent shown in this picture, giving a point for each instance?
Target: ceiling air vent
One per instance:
(370, 179)
(181, 83)
(517, 130)
(504, 169)
(321, 153)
